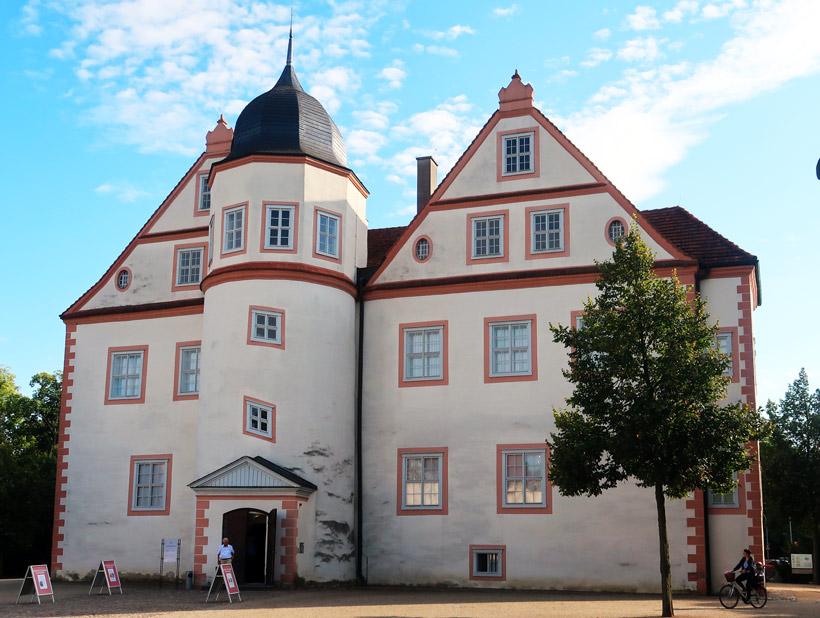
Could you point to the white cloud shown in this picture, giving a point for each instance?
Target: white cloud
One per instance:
(31, 16)
(435, 50)
(638, 127)
(562, 76)
(681, 10)
(716, 10)
(506, 12)
(596, 56)
(394, 74)
(602, 34)
(644, 18)
(451, 34)
(123, 190)
(642, 49)
(364, 142)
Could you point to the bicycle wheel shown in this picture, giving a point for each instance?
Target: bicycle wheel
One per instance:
(758, 597)
(729, 596)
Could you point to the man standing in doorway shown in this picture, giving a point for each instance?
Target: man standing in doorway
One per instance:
(226, 552)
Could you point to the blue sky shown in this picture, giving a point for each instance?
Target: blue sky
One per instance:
(708, 105)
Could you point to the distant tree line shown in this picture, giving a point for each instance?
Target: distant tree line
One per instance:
(28, 462)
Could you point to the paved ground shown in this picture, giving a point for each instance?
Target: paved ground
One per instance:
(381, 602)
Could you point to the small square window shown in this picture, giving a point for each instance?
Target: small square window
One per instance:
(189, 266)
(260, 419)
(488, 237)
(518, 154)
(279, 227)
(204, 204)
(266, 327)
(327, 234)
(233, 230)
(488, 562)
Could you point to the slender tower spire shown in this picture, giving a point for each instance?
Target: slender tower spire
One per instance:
(290, 41)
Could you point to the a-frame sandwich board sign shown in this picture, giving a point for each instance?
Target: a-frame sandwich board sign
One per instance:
(226, 578)
(37, 582)
(106, 575)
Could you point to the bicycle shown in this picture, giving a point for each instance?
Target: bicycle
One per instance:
(731, 592)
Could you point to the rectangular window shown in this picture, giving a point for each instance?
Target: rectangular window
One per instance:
(233, 226)
(125, 371)
(260, 419)
(524, 474)
(510, 349)
(547, 231)
(189, 370)
(204, 194)
(510, 352)
(279, 227)
(724, 346)
(518, 153)
(422, 353)
(327, 234)
(189, 266)
(488, 562)
(521, 476)
(266, 326)
(149, 487)
(422, 477)
(211, 241)
(488, 237)
(724, 501)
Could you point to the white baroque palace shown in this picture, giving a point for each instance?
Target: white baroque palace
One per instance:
(346, 403)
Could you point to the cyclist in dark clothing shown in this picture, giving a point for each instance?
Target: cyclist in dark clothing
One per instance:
(746, 565)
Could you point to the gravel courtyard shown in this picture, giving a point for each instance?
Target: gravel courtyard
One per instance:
(389, 602)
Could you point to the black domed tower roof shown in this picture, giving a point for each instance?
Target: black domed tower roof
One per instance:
(287, 121)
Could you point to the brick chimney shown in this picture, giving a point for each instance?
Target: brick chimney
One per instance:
(426, 181)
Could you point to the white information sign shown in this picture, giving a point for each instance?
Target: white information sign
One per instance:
(170, 549)
(801, 561)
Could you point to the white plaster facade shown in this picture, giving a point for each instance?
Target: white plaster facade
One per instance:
(342, 326)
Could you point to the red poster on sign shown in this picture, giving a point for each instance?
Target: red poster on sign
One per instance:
(230, 580)
(42, 582)
(111, 575)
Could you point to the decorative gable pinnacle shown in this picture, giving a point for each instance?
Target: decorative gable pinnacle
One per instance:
(516, 95)
(219, 140)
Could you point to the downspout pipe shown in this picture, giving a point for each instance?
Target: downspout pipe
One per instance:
(707, 548)
(358, 439)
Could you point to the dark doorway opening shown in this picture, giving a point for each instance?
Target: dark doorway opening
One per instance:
(253, 535)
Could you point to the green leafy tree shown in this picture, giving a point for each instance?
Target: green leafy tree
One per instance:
(28, 457)
(647, 381)
(790, 458)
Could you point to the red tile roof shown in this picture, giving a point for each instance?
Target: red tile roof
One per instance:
(380, 241)
(697, 239)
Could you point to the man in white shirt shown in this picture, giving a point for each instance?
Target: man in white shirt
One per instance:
(225, 553)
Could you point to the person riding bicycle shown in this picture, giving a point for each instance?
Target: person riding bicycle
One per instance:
(746, 565)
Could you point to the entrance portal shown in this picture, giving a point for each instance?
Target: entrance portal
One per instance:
(253, 535)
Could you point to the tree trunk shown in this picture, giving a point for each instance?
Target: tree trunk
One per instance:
(666, 569)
